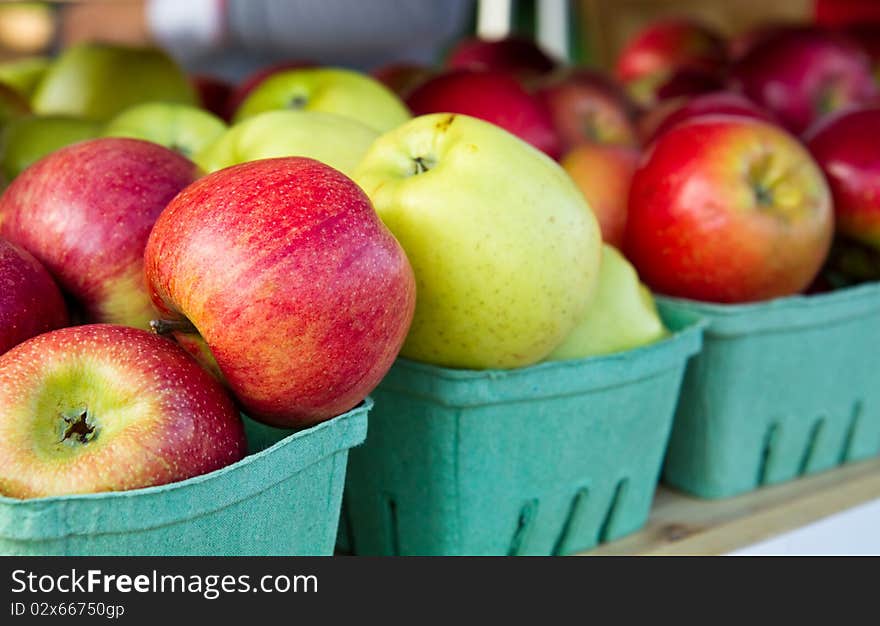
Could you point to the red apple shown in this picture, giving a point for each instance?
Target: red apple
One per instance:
(717, 103)
(246, 86)
(603, 174)
(802, 75)
(687, 82)
(868, 37)
(664, 48)
(847, 148)
(301, 294)
(30, 302)
(587, 106)
(85, 211)
(490, 96)
(743, 43)
(520, 57)
(109, 408)
(402, 78)
(728, 209)
(214, 94)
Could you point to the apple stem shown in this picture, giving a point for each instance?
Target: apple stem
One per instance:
(166, 327)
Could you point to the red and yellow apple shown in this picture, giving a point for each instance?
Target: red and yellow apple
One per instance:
(85, 212)
(301, 295)
(728, 209)
(30, 302)
(108, 408)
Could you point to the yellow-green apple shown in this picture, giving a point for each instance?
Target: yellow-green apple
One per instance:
(101, 408)
(301, 295)
(802, 75)
(30, 302)
(402, 78)
(623, 315)
(504, 248)
(603, 174)
(329, 90)
(847, 147)
(520, 57)
(26, 140)
(183, 128)
(665, 48)
(716, 103)
(97, 81)
(23, 75)
(588, 107)
(85, 211)
(491, 96)
(338, 141)
(243, 89)
(728, 209)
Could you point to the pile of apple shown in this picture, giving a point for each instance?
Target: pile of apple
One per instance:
(175, 251)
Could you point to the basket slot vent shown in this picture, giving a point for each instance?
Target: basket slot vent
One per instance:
(812, 444)
(524, 524)
(616, 499)
(855, 418)
(578, 503)
(770, 438)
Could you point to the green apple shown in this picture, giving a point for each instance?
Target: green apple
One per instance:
(98, 81)
(329, 90)
(28, 139)
(181, 127)
(23, 75)
(338, 141)
(504, 247)
(622, 317)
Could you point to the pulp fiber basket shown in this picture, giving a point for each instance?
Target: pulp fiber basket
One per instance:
(548, 459)
(282, 499)
(780, 389)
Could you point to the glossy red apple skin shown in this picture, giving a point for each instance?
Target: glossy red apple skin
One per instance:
(667, 46)
(30, 302)
(85, 212)
(251, 82)
(717, 103)
(603, 174)
(801, 75)
(491, 96)
(301, 293)
(186, 423)
(214, 94)
(588, 107)
(402, 78)
(517, 56)
(868, 37)
(697, 227)
(847, 148)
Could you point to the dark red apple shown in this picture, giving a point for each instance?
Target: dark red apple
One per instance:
(665, 48)
(801, 75)
(85, 212)
(517, 56)
(728, 209)
(868, 37)
(30, 302)
(402, 78)
(717, 103)
(744, 42)
(108, 408)
(588, 107)
(297, 289)
(687, 82)
(847, 147)
(246, 86)
(491, 96)
(214, 94)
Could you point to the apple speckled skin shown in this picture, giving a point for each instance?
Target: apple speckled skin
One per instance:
(728, 209)
(504, 247)
(30, 302)
(109, 408)
(283, 267)
(85, 212)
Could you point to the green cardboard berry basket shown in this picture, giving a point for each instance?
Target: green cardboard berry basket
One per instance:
(282, 499)
(780, 389)
(543, 460)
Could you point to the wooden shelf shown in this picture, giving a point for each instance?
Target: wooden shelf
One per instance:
(684, 525)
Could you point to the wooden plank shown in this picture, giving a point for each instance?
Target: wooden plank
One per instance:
(683, 525)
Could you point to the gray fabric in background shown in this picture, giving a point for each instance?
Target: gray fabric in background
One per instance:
(361, 34)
